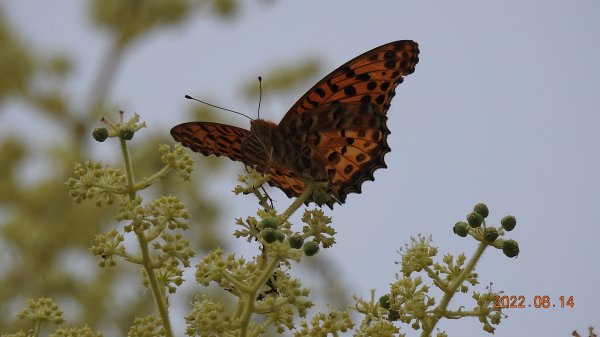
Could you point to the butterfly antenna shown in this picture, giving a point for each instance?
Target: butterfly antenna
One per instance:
(259, 94)
(216, 106)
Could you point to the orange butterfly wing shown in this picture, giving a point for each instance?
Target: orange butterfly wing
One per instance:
(212, 138)
(371, 77)
(343, 144)
(346, 111)
(238, 144)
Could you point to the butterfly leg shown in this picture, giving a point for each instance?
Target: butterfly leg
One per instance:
(268, 197)
(264, 199)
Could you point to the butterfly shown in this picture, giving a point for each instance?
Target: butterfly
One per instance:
(336, 133)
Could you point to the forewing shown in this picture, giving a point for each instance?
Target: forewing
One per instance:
(370, 78)
(237, 144)
(212, 139)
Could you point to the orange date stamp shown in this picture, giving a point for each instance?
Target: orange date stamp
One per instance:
(538, 302)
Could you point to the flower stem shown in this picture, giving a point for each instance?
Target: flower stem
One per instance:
(298, 202)
(251, 295)
(441, 310)
(157, 292)
(150, 180)
(37, 328)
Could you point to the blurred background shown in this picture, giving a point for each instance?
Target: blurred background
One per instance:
(503, 108)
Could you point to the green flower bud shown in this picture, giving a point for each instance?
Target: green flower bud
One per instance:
(508, 222)
(269, 235)
(279, 235)
(268, 223)
(127, 134)
(100, 134)
(384, 301)
(475, 219)
(310, 248)
(482, 209)
(510, 248)
(461, 229)
(490, 234)
(296, 241)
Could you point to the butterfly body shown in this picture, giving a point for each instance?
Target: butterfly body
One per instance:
(336, 133)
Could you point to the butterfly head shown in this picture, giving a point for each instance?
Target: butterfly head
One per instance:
(262, 129)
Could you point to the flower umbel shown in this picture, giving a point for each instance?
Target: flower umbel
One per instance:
(145, 327)
(324, 324)
(94, 181)
(42, 310)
